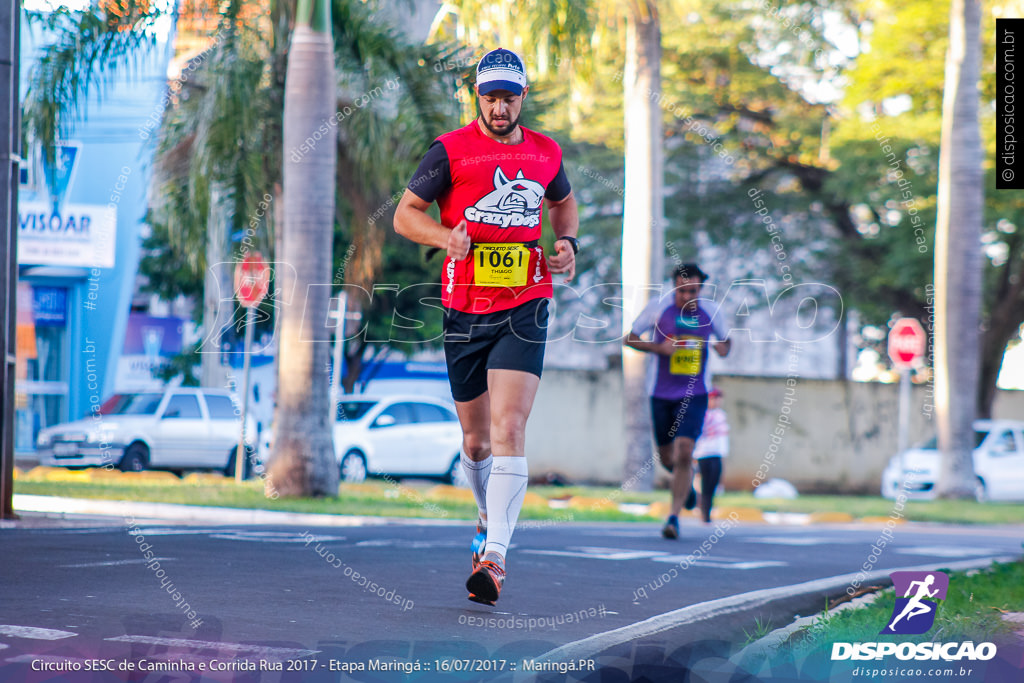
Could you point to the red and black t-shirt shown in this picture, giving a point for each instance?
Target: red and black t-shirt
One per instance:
(499, 190)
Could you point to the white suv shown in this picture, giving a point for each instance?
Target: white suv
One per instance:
(176, 429)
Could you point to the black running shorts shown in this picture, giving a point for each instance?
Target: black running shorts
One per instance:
(505, 340)
(678, 418)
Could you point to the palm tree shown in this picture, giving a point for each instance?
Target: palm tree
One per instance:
(302, 461)
(958, 252)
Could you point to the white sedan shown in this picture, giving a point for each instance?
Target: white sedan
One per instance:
(395, 436)
(998, 465)
(177, 429)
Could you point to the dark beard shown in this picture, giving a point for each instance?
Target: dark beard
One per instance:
(501, 133)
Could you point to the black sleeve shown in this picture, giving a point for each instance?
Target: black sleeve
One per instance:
(434, 176)
(559, 188)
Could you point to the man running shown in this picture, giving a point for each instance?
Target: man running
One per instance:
(680, 330)
(491, 180)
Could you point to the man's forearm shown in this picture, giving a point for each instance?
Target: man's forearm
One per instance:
(414, 224)
(565, 217)
(421, 228)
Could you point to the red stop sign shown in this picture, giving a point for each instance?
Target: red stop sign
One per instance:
(252, 280)
(907, 342)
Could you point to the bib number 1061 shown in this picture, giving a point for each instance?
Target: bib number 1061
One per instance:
(496, 260)
(500, 265)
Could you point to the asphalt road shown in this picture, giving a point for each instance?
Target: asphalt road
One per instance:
(161, 602)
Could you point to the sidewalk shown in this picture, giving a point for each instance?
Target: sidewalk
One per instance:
(43, 511)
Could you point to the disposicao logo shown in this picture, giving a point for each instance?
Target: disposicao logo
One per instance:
(914, 613)
(917, 598)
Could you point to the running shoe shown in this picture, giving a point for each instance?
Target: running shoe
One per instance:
(478, 542)
(691, 500)
(484, 584)
(671, 528)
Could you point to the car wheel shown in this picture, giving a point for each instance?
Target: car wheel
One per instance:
(353, 467)
(229, 469)
(456, 476)
(980, 491)
(135, 458)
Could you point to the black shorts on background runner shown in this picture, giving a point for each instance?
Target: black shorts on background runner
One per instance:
(675, 418)
(474, 343)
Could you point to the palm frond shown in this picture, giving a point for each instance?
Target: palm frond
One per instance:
(89, 49)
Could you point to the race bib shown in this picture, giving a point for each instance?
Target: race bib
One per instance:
(687, 357)
(500, 265)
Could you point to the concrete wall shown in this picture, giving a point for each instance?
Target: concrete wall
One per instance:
(838, 437)
(576, 426)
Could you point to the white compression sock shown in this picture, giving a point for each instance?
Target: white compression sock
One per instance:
(505, 493)
(477, 474)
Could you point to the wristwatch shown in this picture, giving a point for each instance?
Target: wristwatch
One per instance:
(573, 242)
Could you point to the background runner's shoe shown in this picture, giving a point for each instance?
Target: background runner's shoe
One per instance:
(478, 543)
(671, 528)
(484, 584)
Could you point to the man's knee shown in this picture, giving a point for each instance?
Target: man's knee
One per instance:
(476, 446)
(509, 428)
(684, 452)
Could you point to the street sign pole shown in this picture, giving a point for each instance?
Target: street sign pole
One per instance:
(10, 151)
(240, 454)
(907, 344)
(252, 281)
(904, 422)
(339, 346)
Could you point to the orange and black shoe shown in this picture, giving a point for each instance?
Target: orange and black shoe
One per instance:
(478, 542)
(484, 584)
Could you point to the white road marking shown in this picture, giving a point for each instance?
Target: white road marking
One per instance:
(795, 540)
(115, 563)
(589, 648)
(721, 562)
(271, 537)
(171, 531)
(601, 553)
(411, 545)
(946, 551)
(33, 632)
(262, 651)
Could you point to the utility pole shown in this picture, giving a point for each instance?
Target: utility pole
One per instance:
(10, 156)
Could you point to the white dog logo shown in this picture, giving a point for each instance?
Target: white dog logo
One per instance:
(513, 203)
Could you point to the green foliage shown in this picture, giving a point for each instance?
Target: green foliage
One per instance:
(169, 268)
(88, 47)
(181, 365)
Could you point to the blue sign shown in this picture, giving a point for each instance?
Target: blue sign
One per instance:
(50, 306)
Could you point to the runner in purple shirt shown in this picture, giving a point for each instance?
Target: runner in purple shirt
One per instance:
(680, 329)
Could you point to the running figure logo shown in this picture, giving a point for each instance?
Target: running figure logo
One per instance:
(914, 613)
(513, 203)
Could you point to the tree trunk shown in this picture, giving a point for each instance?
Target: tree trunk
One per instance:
(303, 462)
(958, 278)
(218, 288)
(1004, 321)
(642, 224)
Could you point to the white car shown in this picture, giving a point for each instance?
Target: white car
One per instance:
(395, 436)
(176, 429)
(998, 464)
